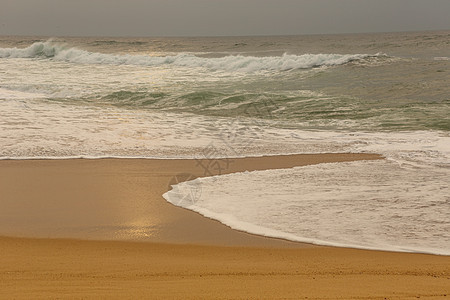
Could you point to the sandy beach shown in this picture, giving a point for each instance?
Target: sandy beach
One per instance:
(100, 229)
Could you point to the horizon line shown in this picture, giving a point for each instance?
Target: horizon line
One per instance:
(216, 36)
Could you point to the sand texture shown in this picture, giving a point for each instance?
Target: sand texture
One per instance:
(48, 206)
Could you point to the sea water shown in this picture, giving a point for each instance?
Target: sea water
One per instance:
(216, 98)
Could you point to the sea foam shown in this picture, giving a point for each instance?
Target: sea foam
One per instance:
(60, 52)
(366, 204)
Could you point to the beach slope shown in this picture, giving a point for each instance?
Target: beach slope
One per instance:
(100, 228)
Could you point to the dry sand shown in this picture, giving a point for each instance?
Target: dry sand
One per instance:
(184, 255)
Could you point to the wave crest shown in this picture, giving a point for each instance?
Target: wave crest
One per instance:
(59, 52)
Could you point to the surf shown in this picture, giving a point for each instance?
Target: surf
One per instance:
(60, 52)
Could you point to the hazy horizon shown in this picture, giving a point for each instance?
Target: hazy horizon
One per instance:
(220, 36)
(201, 18)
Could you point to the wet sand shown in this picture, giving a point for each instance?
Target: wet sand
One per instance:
(121, 199)
(56, 212)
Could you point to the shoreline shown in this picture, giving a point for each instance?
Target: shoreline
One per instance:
(74, 252)
(121, 199)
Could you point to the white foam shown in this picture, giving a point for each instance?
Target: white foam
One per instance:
(52, 130)
(60, 52)
(34, 129)
(442, 58)
(398, 204)
(367, 205)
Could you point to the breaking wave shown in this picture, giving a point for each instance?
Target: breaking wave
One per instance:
(59, 52)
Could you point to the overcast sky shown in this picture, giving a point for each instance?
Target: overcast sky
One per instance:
(218, 17)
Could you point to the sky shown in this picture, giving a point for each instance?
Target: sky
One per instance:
(218, 17)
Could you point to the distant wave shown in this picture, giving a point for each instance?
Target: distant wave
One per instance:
(59, 52)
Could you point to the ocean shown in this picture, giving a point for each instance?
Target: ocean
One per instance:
(217, 98)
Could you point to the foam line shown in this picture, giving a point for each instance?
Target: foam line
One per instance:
(59, 52)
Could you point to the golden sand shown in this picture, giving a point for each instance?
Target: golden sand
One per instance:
(184, 254)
